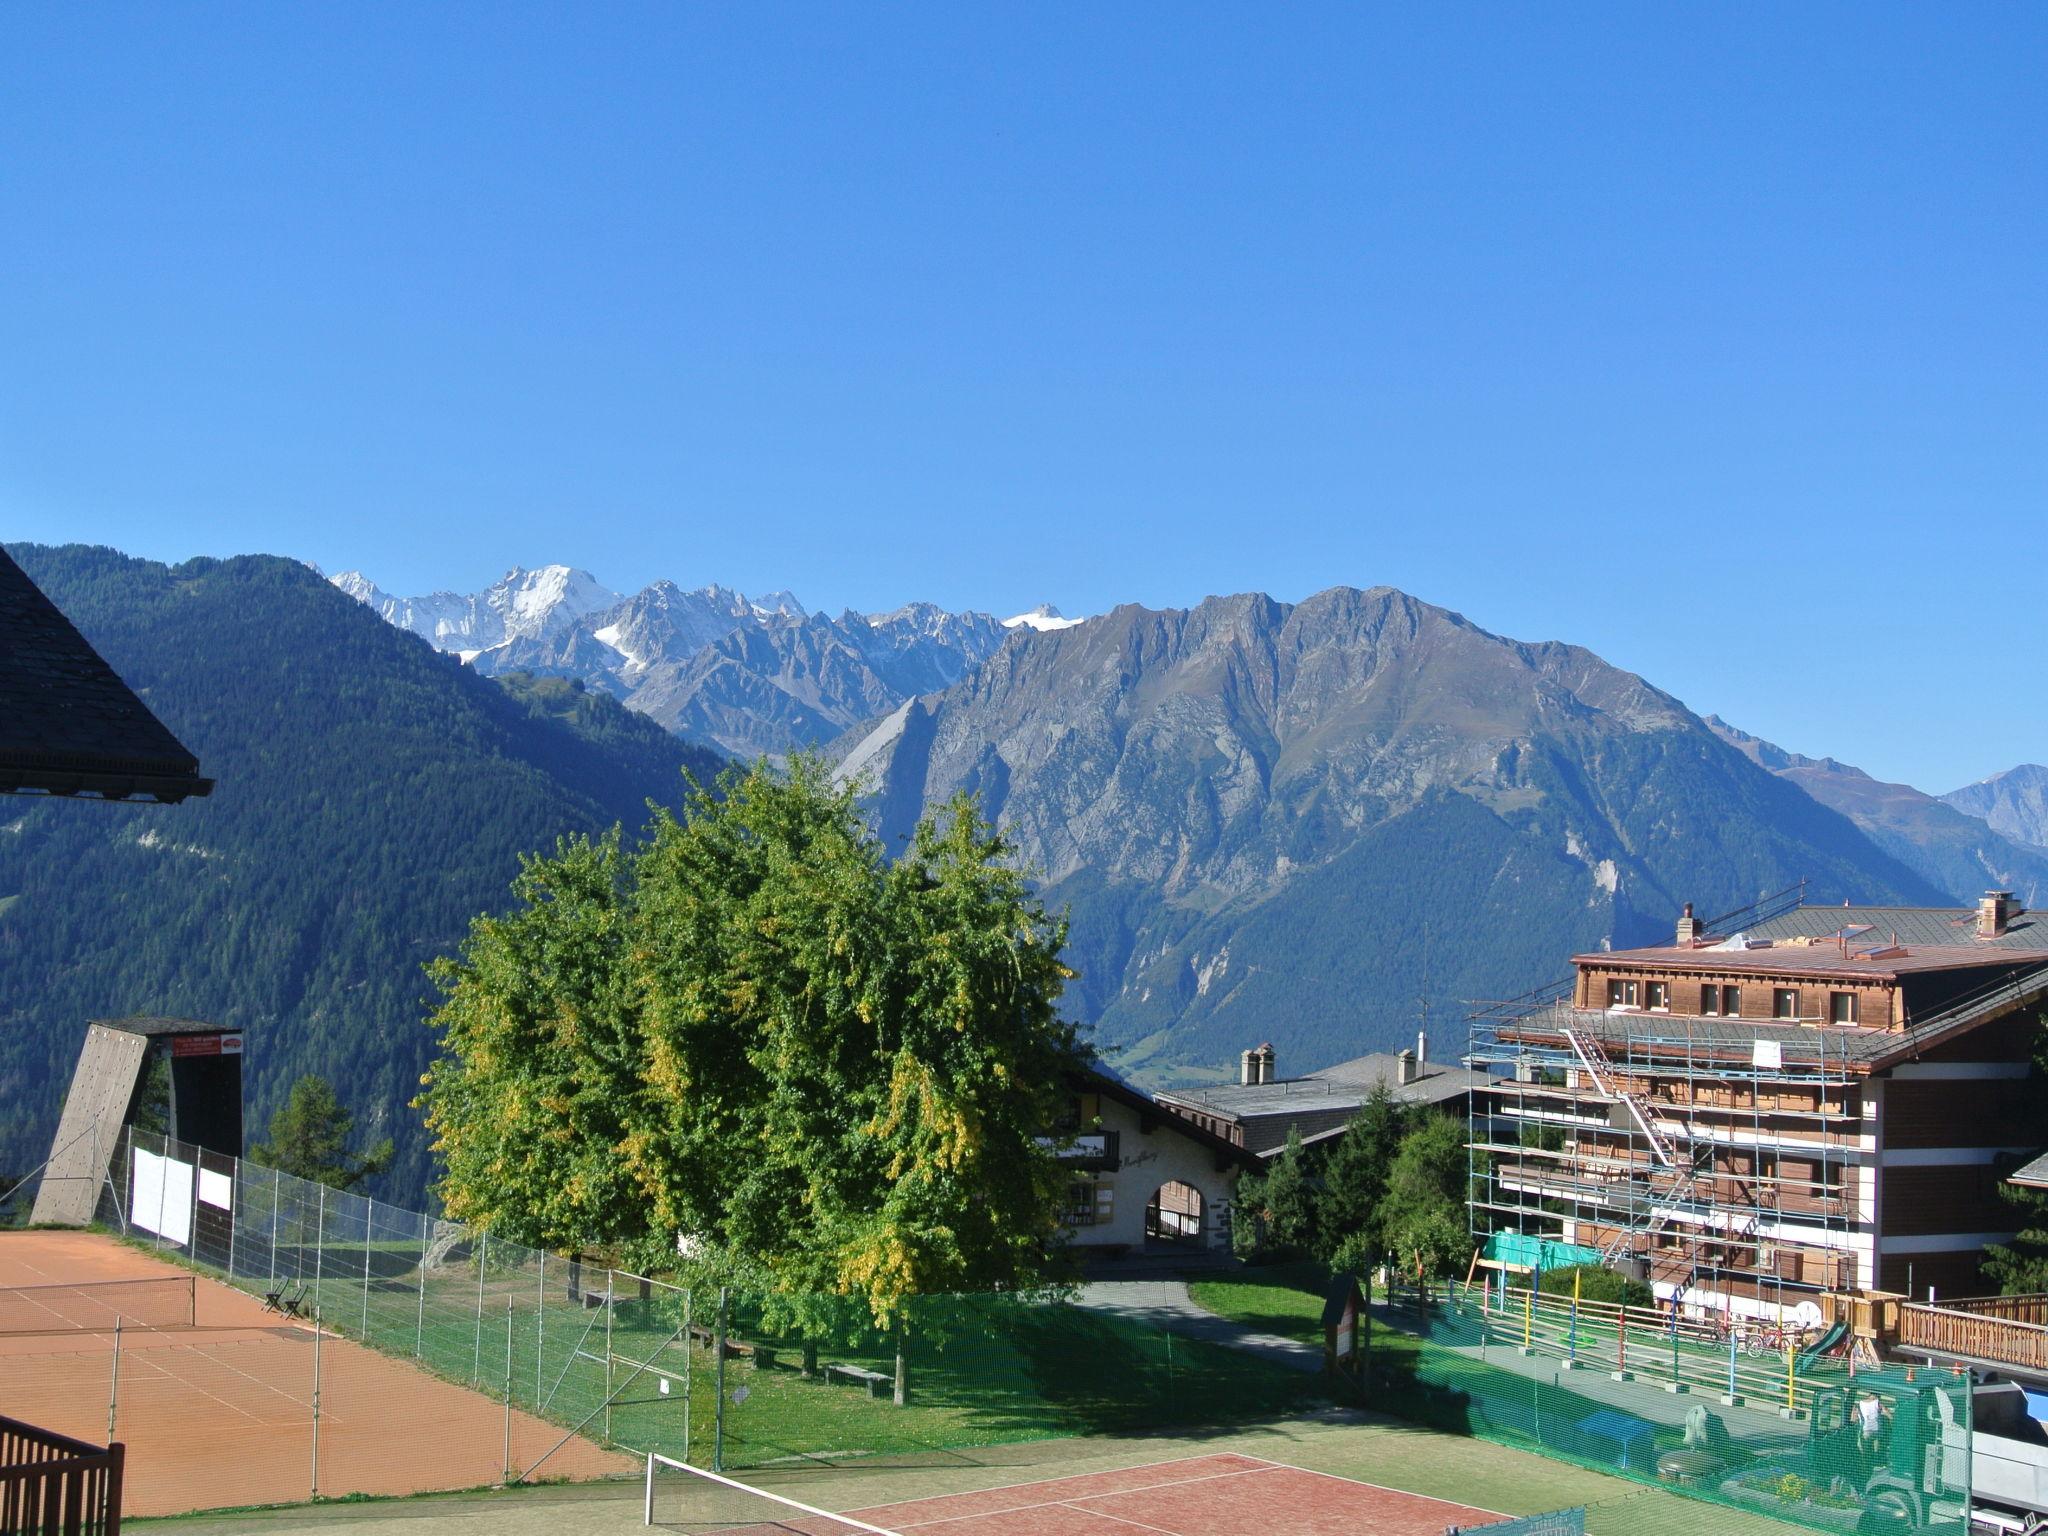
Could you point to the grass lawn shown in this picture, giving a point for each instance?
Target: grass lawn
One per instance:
(982, 1371)
(1287, 1299)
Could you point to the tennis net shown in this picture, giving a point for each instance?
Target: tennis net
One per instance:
(689, 1499)
(168, 1302)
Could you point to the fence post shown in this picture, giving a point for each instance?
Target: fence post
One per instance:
(1731, 1365)
(689, 1348)
(508, 1390)
(611, 1301)
(718, 1377)
(319, 1245)
(419, 1323)
(318, 1331)
(234, 1211)
(114, 1386)
(540, 1331)
(1791, 1368)
(192, 1227)
(163, 1188)
(483, 1257)
(369, 1227)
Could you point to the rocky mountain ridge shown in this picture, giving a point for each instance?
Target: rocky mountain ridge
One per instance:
(747, 676)
(1323, 813)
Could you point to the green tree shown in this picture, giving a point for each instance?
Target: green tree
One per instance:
(1348, 1216)
(1423, 1222)
(309, 1137)
(536, 1090)
(831, 1071)
(1281, 1204)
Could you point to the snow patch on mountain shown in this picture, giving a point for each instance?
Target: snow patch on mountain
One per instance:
(1042, 618)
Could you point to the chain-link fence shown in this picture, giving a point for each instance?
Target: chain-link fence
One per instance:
(716, 1378)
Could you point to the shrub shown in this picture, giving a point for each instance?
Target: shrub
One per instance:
(1597, 1284)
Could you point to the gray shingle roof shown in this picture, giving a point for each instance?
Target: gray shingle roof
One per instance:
(2034, 1175)
(1347, 1085)
(68, 724)
(1914, 927)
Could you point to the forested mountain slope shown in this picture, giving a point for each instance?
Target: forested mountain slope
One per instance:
(372, 795)
(1294, 821)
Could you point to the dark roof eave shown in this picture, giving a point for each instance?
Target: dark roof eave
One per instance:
(91, 784)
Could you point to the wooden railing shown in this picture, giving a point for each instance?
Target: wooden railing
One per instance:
(1949, 1329)
(2014, 1309)
(52, 1485)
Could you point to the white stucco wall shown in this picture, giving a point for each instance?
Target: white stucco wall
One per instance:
(1146, 1161)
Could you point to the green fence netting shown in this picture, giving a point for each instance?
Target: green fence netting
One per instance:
(1692, 1405)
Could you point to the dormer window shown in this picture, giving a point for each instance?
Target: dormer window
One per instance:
(1621, 993)
(1657, 994)
(1842, 1008)
(1785, 1003)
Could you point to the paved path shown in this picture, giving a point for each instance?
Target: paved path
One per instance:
(1166, 1304)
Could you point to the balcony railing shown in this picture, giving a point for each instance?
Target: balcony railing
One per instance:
(1955, 1329)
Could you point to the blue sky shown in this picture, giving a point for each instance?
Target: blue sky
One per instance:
(1710, 338)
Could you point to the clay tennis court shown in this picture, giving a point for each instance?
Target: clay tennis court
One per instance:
(1217, 1495)
(219, 1412)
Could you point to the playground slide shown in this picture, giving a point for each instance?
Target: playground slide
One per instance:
(1823, 1344)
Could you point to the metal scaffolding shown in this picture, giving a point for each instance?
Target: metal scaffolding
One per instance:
(1719, 1168)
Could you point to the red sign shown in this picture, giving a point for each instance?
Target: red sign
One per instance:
(206, 1045)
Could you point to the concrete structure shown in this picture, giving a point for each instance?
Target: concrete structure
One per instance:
(183, 1074)
(1822, 1099)
(1258, 1110)
(1142, 1178)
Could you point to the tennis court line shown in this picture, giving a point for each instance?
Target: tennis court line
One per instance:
(1359, 1482)
(1076, 1500)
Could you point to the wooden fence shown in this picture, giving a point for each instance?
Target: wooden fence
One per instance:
(52, 1485)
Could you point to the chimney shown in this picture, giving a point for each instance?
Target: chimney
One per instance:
(1688, 929)
(1247, 1068)
(1994, 911)
(1421, 1050)
(1404, 1069)
(1265, 1059)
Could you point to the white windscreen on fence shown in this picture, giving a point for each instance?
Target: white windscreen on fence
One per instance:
(216, 1189)
(160, 1196)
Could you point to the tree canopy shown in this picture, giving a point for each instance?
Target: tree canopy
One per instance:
(309, 1135)
(812, 1063)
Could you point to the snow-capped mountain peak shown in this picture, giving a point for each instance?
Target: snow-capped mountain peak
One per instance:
(536, 602)
(1043, 617)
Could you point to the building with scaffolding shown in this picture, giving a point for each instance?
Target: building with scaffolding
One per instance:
(1787, 1100)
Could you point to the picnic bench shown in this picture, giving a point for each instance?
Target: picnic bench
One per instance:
(763, 1355)
(875, 1381)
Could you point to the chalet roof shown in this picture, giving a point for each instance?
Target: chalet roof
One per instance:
(1880, 943)
(1913, 926)
(2033, 1175)
(1347, 1085)
(1098, 1078)
(68, 724)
